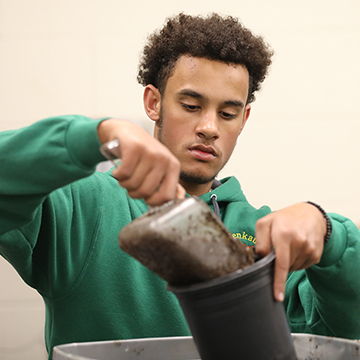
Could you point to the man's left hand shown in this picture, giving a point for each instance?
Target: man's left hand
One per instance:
(297, 235)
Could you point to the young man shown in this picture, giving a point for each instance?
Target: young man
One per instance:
(59, 220)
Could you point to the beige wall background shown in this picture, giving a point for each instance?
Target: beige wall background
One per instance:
(301, 143)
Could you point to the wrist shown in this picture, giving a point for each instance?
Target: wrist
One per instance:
(327, 219)
(108, 129)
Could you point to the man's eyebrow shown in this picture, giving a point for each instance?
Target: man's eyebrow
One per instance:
(191, 93)
(196, 95)
(234, 103)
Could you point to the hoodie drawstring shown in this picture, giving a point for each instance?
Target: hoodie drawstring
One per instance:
(213, 198)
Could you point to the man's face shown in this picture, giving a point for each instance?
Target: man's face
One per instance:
(202, 112)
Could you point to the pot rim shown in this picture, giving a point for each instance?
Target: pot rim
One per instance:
(224, 279)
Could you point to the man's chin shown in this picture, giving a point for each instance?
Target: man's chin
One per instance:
(196, 178)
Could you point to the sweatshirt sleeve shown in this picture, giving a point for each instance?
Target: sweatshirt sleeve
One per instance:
(41, 158)
(335, 282)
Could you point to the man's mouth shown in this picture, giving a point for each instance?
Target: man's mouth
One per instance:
(203, 152)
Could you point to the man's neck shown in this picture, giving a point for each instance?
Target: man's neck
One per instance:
(196, 189)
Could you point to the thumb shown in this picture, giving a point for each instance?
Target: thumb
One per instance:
(180, 192)
(263, 236)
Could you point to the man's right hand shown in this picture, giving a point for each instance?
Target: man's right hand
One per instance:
(148, 169)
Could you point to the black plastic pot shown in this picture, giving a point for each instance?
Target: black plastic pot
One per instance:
(236, 316)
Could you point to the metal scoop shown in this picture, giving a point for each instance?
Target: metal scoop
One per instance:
(182, 241)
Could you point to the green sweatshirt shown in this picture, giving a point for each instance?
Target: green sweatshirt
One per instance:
(59, 223)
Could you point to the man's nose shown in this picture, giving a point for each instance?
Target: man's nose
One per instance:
(208, 126)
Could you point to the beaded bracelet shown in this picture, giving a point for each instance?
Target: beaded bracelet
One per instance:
(328, 222)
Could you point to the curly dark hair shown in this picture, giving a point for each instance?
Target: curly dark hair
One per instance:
(213, 37)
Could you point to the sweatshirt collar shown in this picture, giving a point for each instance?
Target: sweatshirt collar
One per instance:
(228, 191)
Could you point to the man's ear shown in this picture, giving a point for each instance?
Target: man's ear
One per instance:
(152, 101)
(245, 117)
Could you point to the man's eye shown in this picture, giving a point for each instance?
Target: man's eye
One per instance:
(226, 115)
(190, 107)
